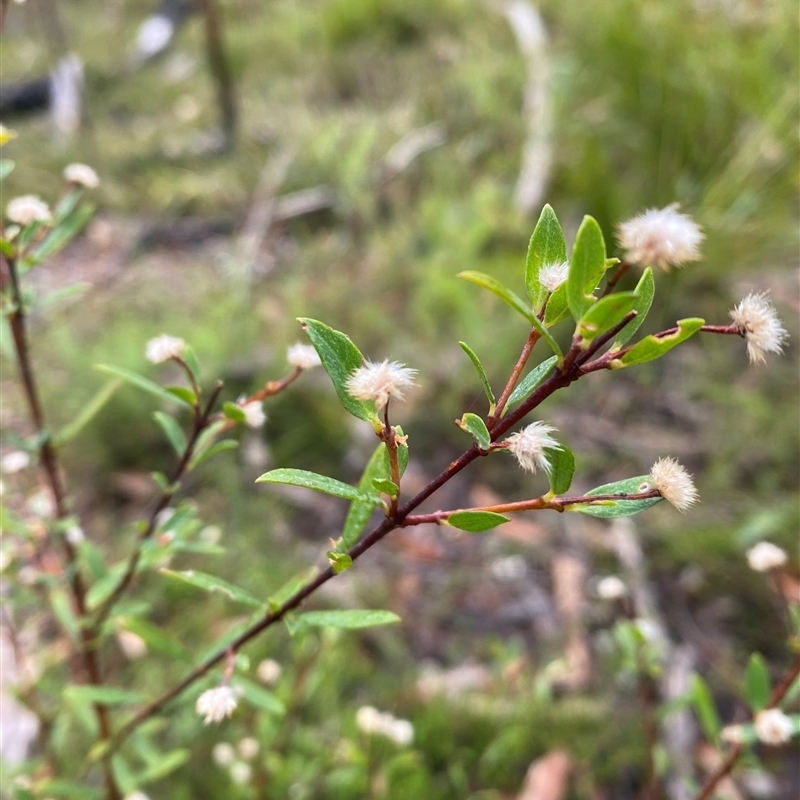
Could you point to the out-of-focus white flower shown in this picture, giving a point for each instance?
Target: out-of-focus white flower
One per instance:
(765, 556)
(254, 415)
(611, 588)
(223, 754)
(528, 446)
(241, 772)
(41, 503)
(303, 356)
(216, 704)
(81, 175)
(28, 575)
(27, 209)
(14, 461)
(74, 535)
(248, 748)
(139, 795)
(269, 671)
(372, 721)
(773, 726)
(674, 483)
(378, 381)
(163, 348)
(509, 568)
(131, 644)
(211, 534)
(732, 734)
(551, 276)
(758, 322)
(660, 237)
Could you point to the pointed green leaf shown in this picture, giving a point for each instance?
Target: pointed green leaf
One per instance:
(190, 359)
(526, 386)
(205, 441)
(357, 517)
(756, 682)
(385, 486)
(102, 695)
(259, 697)
(562, 468)
(557, 307)
(513, 300)
(61, 235)
(340, 562)
(211, 583)
(653, 347)
(487, 389)
(476, 427)
(175, 436)
(88, 412)
(319, 483)
(610, 509)
(102, 589)
(547, 246)
(164, 765)
(586, 267)
(155, 638)
(341, 358)
(184, 394)
(233, 411)
(348, 618)
(645, 290)
(292, 587)
(71, 790)
(64, 293)
(604, 315)
(704, 706)
(140, 382)
(476, 521)
(217, 447)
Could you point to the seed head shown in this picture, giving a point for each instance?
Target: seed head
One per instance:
(551, 276)
(765, 557)
(27, 209)
(216, 704)
(674, 483)
(528, 446)
(758, 322)
(163, 348)
(81, 175)
(303, 356)
(660, 237)
(773, 726)
(378, 381)
(254, 415)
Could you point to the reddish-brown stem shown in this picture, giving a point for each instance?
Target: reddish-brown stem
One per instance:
(387, 436)
(533, 337)
(621, 269)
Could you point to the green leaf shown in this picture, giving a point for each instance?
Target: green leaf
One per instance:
(21, 793)
(234, 412)
(190, 359)
(348, 618)
(756, 682)
(653, 347)
(102, 589)
(645, 291)
(102, 695)
(557, 307)
(357, 517)
(618, 508)
(402, 454)
(184, 394)
(88, 412)
(172, 430)
(292, 587)
(586, 267)
(64, 293)
(487, 389)
(61, 235)
(513, 300)
(476, 521)
(547, 246)
(604, 315)
(562, 468)
(6, 168)
(218, 447)
(259, 697)
(340, 562)
(319, 483)
(140, 382)
(211, 583)
(7, 249)
(164, 765)
(62, 609)
(705, 708)
(155, 638)
(204, 441)
(341, 358)
(385, 486)
(526, 386)
(476, 427)
(69, 789)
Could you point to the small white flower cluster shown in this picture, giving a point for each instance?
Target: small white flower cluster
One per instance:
(131, 644)
(81, 175)
(163, 348)
(216, 704)
(611, 588)
(758, 322)
(674, 483)
(773, 727)
(372, 721)
(528, 446)
(254, 415)
(269, 671)
(378, 381)
(765, 556)
(14, 461)
(662, 238)
(225, 755)
(27, 209)
(551, 276)
(302, 356)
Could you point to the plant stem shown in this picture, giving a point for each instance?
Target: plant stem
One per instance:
(533, 337)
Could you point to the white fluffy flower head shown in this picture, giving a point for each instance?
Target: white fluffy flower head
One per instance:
(528, 446)
(674, 483)
(223, 754)
(14, 461)
(216, 704)
(241, 772)
(551, 276)
(371, 721)
(248, 748)
(27, 209)
(611, 588)
(81, 175)
(303, 356)
(269, 671)
(765, 556)
(773, 726)
(758, 322)
(254, 415)
(378, 381)
(163, 348)
(660, 237)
